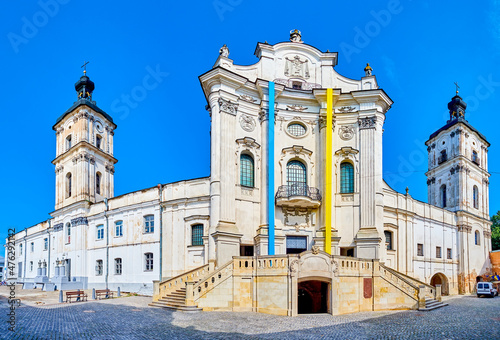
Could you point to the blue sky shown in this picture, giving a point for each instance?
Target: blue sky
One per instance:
(417, 49)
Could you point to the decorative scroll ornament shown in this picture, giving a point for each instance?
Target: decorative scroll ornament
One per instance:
(294, 67)
(346, 132)
(247, 98)
(79, 221)
(247, 123)
(263, 115)
(228, 107)
(299, 108)
(344, 109)
(367, 123)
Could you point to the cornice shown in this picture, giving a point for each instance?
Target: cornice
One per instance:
(82, 145)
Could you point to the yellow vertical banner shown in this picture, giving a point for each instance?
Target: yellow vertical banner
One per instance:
(328, 172)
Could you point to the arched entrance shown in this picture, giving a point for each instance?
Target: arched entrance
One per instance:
(313, 297)
(440, 279)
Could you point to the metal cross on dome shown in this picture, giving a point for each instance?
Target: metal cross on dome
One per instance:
(84, 66)
(457, 86)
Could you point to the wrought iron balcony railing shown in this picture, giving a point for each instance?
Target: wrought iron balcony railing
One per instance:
(298, 189)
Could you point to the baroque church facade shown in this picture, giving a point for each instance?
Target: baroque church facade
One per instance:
(295, 215)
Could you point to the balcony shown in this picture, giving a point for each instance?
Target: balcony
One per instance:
(298, 195)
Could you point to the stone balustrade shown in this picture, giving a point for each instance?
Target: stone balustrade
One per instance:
(171, 285)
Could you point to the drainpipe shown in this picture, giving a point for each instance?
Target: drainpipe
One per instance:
(107, 241)
(25, 252)
(160, 191)
(48, 256)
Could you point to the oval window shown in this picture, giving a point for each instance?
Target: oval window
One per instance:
(296, 129)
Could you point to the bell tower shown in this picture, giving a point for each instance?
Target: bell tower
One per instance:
(84, 163)
(458, 175)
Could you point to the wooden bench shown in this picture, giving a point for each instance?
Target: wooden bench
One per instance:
(103, 292)
(77, 294)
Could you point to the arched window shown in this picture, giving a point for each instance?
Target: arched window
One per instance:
(388, 239)
(68, 233)
(98, 183)
(98, 140)
(442, 191)
(68, 142)
(247, 171)
(475, 197)
(346, 178)
(197, 235)
(477, 240)
(68, 184)
(296, 178)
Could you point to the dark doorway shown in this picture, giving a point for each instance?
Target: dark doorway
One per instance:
(347, 252)
(246, 250)
(440, 279)
(313, 297)
(296, 244)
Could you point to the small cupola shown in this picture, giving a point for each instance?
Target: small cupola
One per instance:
(457, 107)
(84, 87)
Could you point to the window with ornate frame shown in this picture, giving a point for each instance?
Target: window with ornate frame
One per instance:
(247, 177)
(346, 178)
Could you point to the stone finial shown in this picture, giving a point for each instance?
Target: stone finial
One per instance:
(368, 70)
(224, 51)
(295, 36)
(407, 190)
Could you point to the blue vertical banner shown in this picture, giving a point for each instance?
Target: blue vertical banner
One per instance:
(270, 170)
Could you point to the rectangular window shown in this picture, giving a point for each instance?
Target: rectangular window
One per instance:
(197, 235)
(149, 261)
(119, 228)
(296, 244)
(438, 252)
(448, 253)
(149, 224)
(20, 249)
(98, 267)
(32, 246)
(31, 266)
(118, 266)
(45, 243)
(100, 232)
(420, 249)
(98, 140)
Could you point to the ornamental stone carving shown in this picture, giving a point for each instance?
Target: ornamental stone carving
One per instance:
(58, 226)
(228, 107)
(346, 132)
(263, 115)
(344, 109)
(224, 51)
(315, 250)
(295, 67)
(367, 123)
(299, 108)
(431, 180)
(79, 221)
(464, 228)
(487, 234)
(247, 123)
(247, 98)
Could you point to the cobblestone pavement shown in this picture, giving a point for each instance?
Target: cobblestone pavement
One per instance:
(466, 317)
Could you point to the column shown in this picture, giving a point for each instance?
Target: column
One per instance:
(327, 201)
(270, 172)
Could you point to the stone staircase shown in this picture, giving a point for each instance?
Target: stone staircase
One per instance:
(431, 304)
(175, 301)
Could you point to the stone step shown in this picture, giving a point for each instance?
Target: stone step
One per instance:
(186, 309)
(172, 300)
(432, 304)
(177, 294)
